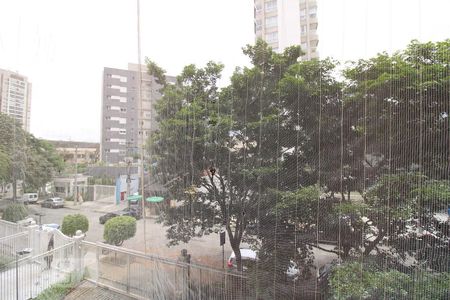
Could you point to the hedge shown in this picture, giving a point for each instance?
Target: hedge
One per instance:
(72, 223)
(15, 212)
(119, 229)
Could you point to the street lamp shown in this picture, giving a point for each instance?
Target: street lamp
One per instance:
(20, 253)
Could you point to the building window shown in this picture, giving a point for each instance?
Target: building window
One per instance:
(313, 12)
(303, 28)
(123, 110)
(271, 5)
(271, 22)
(60, 189)
(107, 118)
(302, 14)
(271, 37)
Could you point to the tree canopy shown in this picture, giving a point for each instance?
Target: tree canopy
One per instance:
(294, 153)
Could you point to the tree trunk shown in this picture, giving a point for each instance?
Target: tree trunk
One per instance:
(237, 253)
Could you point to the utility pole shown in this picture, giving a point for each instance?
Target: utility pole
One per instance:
(141, 119)
(75, 200)
(128, 182)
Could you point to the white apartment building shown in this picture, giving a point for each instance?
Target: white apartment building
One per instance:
(128, 115)
(284, 23)
(15, 97)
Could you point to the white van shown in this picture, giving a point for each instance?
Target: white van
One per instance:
(29, 198)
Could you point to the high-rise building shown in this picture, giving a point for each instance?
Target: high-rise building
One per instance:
(15, 97)
(283, 23)
(122, 134)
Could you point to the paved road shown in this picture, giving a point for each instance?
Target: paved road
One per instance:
(205, 250)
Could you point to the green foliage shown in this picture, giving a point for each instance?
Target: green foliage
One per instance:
(24, 157)
(4, 261)
(354, 281)
(156, 71)
(119, 229)
(72, 223)
(58, 290)
(15, 212)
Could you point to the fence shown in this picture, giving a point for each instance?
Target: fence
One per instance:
(99, 192)
(9, 228)
(29, 263)
(27, 277)
(151, 277)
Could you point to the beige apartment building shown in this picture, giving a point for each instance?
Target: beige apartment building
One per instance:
(283, 23)
(80, 152)
(15, 97)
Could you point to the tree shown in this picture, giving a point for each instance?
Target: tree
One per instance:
(15, 212)
(217, 168)
(72, 223)
(119, 229)
(24, 157)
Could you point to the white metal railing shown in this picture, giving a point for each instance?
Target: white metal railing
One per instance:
(26, 277)
(9, 228)
(151, 277)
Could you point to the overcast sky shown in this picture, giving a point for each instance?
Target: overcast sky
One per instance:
(63, 45)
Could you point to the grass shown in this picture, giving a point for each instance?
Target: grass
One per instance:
(58, 290)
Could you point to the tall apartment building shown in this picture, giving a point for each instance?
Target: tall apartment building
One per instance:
(15, 97)
(283, 23)
(122, 135)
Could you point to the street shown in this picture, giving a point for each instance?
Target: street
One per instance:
(204, 251)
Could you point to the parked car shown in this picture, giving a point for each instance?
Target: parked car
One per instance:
(132, 212)
(30, 198)
(50, 226)
(325, 272)
(103, 219)
(53, 202)
(249, 258)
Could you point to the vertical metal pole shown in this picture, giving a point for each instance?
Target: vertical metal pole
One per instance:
(141, 119)
(128, 273)
(223, 257)
(17, 276)
(128, 182)
(75, 201)
(98, 262)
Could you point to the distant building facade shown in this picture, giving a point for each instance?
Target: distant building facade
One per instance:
(80, 152)
(15, 97)
(284, 23)
(121, 133)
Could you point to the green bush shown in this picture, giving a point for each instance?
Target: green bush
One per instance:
(119, 229)
(15, 212)
(72, 223)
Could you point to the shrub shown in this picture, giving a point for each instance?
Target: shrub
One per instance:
(72, 223)
(15, 212)
(119, 229)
